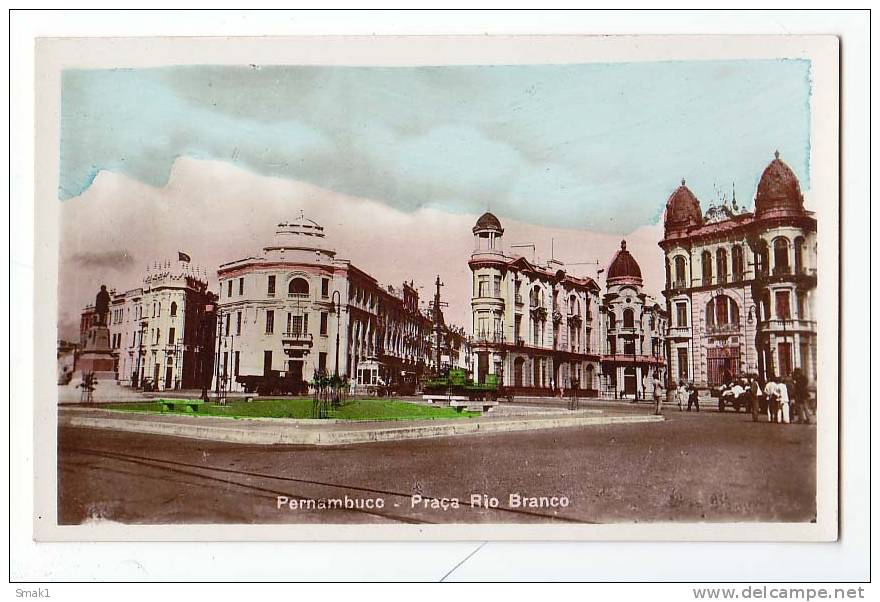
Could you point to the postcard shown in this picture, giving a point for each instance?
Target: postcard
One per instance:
(533, 288)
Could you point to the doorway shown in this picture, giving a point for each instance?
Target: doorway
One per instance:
(629, 381)
(518, 372)
(482, 366)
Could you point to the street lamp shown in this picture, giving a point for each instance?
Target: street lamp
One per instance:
(141, 353)
(207, 318)
(336, 299)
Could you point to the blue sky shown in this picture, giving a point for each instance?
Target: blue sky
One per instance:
(594, 146)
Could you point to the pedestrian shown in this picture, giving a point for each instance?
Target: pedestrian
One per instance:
(802, 396)
(693, 397)
(784, 401)
(755, 397)
(658, 395)
(682, 394)
(770, 393)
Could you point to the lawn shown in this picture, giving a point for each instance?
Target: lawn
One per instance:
(355, 409)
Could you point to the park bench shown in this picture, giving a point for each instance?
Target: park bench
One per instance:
(172, 404)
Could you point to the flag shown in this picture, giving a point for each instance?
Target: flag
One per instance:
(181, 256)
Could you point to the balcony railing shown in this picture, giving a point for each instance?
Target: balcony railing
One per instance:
(489, 337)
(723, 328)
(297, 336)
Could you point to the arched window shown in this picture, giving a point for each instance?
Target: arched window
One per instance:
(628, 318)
(707, 268)
(762, 259)
(721, 261)
(574, 307)
(668, 275)
(780, 256)
(722, 312)
(612, 322)
(173, 308)
(536, 297)
(298, 287)
(799, 255)
(680, 277)
(737, 263)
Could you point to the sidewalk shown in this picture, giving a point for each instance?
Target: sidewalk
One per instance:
(277, 431)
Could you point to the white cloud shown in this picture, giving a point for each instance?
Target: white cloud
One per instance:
(217, 212)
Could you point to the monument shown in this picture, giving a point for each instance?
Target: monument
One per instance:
(96, 358)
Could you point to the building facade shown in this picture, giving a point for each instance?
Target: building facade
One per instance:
(740, 285)
(160, 335)
(535, 326)
(633, 332)
(296, 309)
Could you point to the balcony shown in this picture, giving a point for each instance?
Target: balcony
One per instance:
(780, 326)
(489, 337)
(677, 332)
(730, 328)
(297, 337)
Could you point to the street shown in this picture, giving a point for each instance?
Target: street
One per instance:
(694, 467)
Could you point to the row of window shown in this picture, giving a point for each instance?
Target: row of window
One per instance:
(292, 365)
(297, 324)
(119, 315)
(297, 287)
(722, 311)
(781, 263)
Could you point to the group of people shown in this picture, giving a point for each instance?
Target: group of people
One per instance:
(783, 400)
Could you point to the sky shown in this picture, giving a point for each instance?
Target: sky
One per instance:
(589, 152)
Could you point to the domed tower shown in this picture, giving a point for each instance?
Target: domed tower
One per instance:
(487, 231)
(682, 211)
(779, 192)
(628, 361)
(488, 267)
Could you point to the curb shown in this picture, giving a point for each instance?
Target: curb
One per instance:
(293, 435)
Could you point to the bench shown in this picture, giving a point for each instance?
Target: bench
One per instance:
(473, 406)
(172, 404)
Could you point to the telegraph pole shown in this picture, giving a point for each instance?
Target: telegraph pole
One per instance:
(438, 317)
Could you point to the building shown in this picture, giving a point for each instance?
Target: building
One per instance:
(535, 326)
(160, 336)
(296, 309)
(740, 285)
(633, 329)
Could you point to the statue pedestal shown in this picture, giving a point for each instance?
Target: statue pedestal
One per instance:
(97, 357)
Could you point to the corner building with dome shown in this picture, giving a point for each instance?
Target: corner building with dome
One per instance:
(539, 328)
(741, 285)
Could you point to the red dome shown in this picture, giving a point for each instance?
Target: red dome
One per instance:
(624, 266)
(779, 191)
(682, 209)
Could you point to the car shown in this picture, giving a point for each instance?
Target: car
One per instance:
(731, 397)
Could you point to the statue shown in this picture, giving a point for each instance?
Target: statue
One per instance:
(102, 305)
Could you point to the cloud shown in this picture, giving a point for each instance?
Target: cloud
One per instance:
(217, 212)
(593, 145)
(119, 260)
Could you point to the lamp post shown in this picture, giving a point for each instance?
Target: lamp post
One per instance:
(217, 363)
(207, 318)
(335, 301)
(750, 319)
(141, 354)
